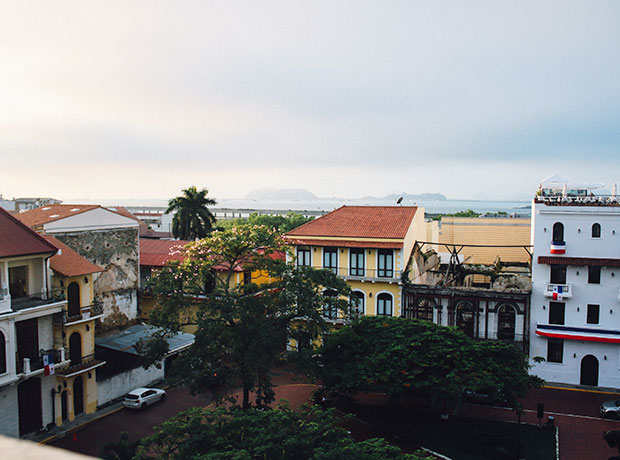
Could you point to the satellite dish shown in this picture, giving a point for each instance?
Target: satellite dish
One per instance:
(400, 200)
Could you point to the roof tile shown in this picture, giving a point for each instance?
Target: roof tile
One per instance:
(360, 222)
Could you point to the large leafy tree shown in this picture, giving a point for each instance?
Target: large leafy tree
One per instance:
(280, 434)
(192, 218)
(401, 355)
(241, 328)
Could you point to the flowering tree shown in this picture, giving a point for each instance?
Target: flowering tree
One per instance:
(245, 301)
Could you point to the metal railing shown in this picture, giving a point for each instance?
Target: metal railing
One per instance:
(36, 299)
(88, 311)
(29, 364)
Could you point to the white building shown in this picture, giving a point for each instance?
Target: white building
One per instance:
(575, 302)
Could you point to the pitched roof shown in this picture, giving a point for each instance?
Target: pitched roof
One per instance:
(157, 253)
(69, 262)
(16, 239)
(360, 222)
(46, 214)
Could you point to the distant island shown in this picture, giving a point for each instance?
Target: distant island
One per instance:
(300, 194)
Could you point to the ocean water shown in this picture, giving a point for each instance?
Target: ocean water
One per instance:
(520, 208)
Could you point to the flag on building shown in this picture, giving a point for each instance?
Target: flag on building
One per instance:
(558, 292)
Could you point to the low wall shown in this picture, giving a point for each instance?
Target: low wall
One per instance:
(118, 385)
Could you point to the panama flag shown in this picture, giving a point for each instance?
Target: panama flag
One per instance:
(557, 292)
(558, 247)
(49, 369)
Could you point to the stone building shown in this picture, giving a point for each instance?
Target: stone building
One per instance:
(106, 238)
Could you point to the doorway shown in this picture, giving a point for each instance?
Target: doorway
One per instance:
(78, 395)
(589, 371)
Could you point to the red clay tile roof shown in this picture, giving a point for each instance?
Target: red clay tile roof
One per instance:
(69, 262)
(16, 239)
(345, 243)
(360, 222)
(157, 253)
(46, 214)
(579, 261)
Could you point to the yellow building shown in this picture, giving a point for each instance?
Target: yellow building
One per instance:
(368, 246)
(485, 238)
(76, 388)
(155, 254)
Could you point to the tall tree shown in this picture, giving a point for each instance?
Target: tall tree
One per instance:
(192, 218)
(241, 327)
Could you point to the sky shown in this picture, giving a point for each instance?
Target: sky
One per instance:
(140, 99)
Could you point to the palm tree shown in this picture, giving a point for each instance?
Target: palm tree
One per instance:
(192, 219)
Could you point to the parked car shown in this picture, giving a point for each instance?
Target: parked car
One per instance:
(489, 398)
(611, 409)
(142, 397)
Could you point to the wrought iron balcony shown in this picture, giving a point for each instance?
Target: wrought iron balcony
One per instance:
(92, 311)
(28, 365)
(37, 299)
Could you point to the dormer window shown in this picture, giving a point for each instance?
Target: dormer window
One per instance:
(596, 230)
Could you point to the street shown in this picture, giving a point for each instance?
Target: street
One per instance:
(576, 415)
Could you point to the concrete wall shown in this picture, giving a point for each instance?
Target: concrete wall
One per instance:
(9, 422)
(117, 252)
(118, 385)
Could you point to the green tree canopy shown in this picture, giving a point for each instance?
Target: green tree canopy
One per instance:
(281, 223)
(401, 355)
(241, 327)
(192, 218)
(280, 434)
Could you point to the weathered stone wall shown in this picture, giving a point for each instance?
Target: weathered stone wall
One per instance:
(117, 252)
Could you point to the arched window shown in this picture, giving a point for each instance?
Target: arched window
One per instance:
(357, 302)
(424, 310)
(2, 354)
(558, 231)
(73, 300)
(330, 309)
(384, 304)
(596, 230)
(75, 348)
(506, 319)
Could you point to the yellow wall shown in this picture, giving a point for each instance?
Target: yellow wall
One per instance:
(90, 396)
(486, 231)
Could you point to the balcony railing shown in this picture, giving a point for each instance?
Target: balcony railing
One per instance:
(86, 312)
(27, 365)
(558, 291)
(375, 274)
(36, 299)
(89, 311)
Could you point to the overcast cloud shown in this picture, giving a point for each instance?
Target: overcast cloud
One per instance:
(122, 99)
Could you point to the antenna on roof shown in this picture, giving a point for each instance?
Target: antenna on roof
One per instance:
(400, 200)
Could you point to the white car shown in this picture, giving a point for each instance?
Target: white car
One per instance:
(142, 397)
